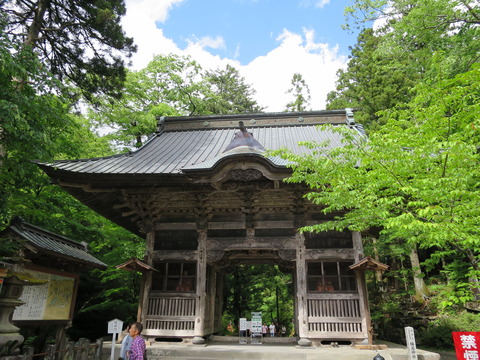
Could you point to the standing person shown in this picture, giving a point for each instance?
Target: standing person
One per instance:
(126, 342)
(284, 331)
(137, 348)
(272, 330)
(264, 330)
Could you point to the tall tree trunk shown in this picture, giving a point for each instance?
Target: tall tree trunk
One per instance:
(378, 274)
(36, 25)
(421, 291)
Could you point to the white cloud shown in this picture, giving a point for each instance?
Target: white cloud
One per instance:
(207, 41)
(270, 74)
(321, 3)
(318, 3)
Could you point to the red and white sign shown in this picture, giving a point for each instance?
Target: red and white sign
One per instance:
(467, 345)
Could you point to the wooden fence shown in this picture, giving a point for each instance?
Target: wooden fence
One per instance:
(80, 350)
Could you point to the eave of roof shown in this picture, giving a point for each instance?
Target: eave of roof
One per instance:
(49, 243)
(134, 264)
(195, 142)
(368, 263)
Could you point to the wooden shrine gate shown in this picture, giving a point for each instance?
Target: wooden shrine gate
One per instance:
(205, 195)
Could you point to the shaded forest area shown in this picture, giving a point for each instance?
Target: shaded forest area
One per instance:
(412, 189)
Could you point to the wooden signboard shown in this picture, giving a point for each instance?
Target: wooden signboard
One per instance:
(53, 300)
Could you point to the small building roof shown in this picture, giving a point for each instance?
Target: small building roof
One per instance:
(41, 241)
(368, 263)
(134, 264)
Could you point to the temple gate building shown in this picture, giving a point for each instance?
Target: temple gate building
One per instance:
(204, 196)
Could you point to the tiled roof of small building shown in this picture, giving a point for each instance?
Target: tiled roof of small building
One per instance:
(48, 242)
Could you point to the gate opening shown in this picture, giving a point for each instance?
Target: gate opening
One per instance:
(264, 288)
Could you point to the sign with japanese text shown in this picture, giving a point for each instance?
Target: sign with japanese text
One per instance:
(243, 324)
(115, 326)
(53, 300)
(467, 345)
(411, 345)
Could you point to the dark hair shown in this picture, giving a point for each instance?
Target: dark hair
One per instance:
(138, 326)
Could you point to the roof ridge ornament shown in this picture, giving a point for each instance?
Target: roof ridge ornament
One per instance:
(244, 138)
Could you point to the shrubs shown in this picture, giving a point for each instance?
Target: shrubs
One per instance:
(438, 333)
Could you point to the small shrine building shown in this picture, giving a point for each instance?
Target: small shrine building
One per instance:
(204, 196)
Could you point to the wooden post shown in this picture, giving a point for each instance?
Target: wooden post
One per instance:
(98, 349)
(50, 352)
(68, 355)
(301, 277)
(201, 288)
(362, 288)
(219, 298)
(85, 344)
(212, 298)
(146, 279)
(28, 353)
(77, 350)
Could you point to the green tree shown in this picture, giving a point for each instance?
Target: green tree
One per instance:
(300, 92)
(169, 85)
(264, 288)
(373, 81)
(81, 42)
(423, 28)
(227, 93)
(416, 178)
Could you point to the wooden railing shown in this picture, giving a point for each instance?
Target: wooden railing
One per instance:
(168, 316)
(335, 318)
(170, 306)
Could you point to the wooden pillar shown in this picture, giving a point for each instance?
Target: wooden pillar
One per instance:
(201, 288)
(301, 280)
(218, 307)
(146, 279)
(212, 299)
(362, 287)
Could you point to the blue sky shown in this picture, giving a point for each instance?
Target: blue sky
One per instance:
(266, 40)
(249, 28)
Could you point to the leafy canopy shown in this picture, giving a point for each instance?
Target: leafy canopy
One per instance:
(81, 42)
(417, 178)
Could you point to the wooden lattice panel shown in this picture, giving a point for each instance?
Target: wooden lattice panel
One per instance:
(173, 307)
(335, 318)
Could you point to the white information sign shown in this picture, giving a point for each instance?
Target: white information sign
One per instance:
(411, 346)
(256, 326)
(242, 327)
(114, 327)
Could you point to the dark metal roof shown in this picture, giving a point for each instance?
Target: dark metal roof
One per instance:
(187, 142)
(188, 152)
(48, 242)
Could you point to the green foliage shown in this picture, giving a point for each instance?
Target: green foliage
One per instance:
(170, 86)
(301, 94)
(437, 334)
(263, 288)
(373, 81)
(227, 93)
(38, 124)
(81, 42)
(412, 40)
(416, 178)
